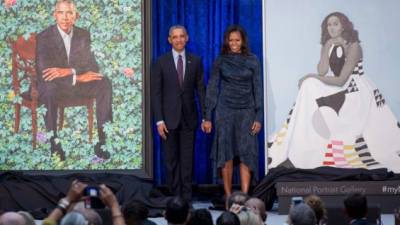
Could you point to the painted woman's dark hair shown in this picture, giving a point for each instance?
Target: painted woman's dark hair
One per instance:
(349, 33)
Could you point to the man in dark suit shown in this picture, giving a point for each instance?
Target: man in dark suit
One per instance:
(66, 68)
(175, 77)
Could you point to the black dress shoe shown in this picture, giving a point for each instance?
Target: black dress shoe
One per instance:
(57, 149)
(100, 152)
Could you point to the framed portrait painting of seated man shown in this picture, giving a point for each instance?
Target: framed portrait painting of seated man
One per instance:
(72, 86)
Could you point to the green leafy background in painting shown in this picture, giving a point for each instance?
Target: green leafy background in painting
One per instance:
(116, 31)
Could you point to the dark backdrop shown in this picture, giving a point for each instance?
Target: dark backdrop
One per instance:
(205, 21)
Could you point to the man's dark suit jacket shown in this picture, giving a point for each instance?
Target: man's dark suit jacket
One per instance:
(170, 102)
(50, 52)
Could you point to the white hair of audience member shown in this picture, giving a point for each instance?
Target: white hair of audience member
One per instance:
(12, 218)
(258, 207)
(91, 216)
(302, 214)
(74, 218)
(248, 217)
(29, 220)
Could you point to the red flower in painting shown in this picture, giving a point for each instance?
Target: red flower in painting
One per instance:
(9, 3)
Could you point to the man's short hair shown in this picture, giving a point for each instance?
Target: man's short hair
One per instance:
(91, 216)
(174, 27)
(135, 212)
(29, 220)
(12, 218)
(302, 214)
(73, 218)
(228, 218)
(65, 1)
(236, 197)
(356, 205)
(200, 217)
(177, 211)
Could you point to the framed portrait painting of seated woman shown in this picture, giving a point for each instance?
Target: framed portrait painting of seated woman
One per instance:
(341, 109)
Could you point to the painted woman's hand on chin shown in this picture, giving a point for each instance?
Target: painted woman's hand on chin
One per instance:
(305, 77)
(339, 41)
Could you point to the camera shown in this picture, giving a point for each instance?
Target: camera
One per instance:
(92, 200)
(91, 191)
(297, 200)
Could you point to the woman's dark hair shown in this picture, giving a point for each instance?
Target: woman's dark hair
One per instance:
(228, 218)
(245, 50)
(349, 33)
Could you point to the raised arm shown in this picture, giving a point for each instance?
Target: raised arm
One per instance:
(354, 54)
(323, 65)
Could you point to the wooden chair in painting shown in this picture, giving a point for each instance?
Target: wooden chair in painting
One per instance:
(23, 68)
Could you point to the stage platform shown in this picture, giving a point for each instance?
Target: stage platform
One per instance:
(384, 195)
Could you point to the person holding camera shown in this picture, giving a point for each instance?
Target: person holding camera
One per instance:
(76, 193)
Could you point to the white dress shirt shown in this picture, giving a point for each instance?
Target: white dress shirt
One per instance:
(67, 44)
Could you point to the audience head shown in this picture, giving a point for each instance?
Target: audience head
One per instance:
(12, 218)
(317, 205)
(356, 205)
(135, 213)
(29, 220)
(177, 211)
(91, 216)
(236, 197)
(302, 214)
(228, 218)
(200, 217)
(73, 218)
(258, 207)
(247, 217)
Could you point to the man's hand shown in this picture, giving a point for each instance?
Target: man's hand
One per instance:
(162, 130)
(206, 126)
(88, 76)
(255, 128)
(108, 197)
(50, 74)
(75, 192)
(236, 208)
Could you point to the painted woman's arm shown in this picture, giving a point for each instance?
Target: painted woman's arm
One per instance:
(354, 55)
(323, 65)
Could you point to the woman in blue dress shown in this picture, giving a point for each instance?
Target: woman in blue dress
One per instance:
(234, 92)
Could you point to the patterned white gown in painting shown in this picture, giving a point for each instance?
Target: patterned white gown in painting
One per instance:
(346, 127)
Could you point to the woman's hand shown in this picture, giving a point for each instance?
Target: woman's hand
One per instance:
(75, 192)
(305, 77)
(337, 41)
(255, 128)
(206, 126)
